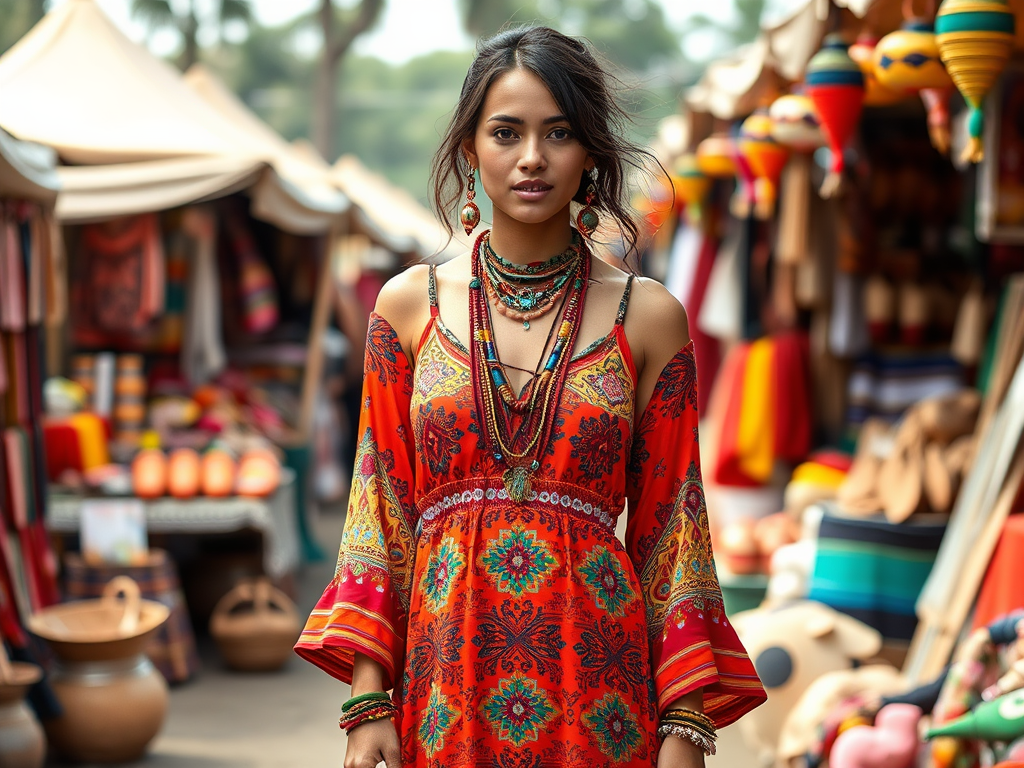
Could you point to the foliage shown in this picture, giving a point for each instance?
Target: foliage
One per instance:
(164, 14)
(17, 18)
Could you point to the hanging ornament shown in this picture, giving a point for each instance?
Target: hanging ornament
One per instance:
(908, 60)
(876, 94)
(715, 156)
(691, 186)
(795, 124)
(835, 84)
(975, 40)
(766, 156)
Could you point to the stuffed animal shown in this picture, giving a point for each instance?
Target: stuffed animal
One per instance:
(826, 707)
(890, 743)
(792, 647)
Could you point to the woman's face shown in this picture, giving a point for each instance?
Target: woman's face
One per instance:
(530, 162)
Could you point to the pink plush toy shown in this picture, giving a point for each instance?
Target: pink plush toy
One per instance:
(891, 743)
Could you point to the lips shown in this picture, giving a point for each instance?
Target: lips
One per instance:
(533, 185)
(531, 190)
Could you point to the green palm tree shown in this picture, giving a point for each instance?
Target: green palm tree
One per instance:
(161, 14)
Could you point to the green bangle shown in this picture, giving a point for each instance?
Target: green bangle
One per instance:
(370, 696)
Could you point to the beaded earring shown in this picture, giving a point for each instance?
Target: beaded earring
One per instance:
(470, 215)
(587, 219)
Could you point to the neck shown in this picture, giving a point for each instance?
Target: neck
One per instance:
(523, 243)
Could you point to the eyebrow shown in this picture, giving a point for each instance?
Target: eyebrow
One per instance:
(519, 120)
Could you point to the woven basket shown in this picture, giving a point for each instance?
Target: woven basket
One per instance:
(255, 626)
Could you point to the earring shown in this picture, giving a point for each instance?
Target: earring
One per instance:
(470, 215)
(587, 219)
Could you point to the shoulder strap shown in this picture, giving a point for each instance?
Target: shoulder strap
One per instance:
(625, 301)
(432, 291)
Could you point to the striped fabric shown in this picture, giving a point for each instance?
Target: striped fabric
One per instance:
(873, 570)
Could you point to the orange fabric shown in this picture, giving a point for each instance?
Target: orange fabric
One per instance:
(1002, 590)
(527, 634)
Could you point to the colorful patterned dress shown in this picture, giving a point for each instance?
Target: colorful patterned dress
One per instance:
(526, 635)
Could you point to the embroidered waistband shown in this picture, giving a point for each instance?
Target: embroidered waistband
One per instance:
(446, 500)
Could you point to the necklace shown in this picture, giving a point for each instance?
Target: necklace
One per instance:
(526, 292)
(519, 447)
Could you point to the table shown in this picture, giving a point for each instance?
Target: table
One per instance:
(274, 517)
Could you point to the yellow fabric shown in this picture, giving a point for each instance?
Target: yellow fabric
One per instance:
(756, 441)
(813, 473)
(92, 440)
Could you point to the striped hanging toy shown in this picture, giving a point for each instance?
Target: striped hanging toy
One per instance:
(975, 41)
(835, 84)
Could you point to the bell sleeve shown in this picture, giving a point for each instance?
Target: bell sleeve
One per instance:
(365, 607)
(693, 645)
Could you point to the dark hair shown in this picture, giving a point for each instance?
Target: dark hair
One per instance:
(583, 90)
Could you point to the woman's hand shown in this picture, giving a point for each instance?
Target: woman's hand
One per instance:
(371, 743)
(677, 753)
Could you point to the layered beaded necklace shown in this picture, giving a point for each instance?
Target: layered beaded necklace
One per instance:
(525, 293)
(520, 448)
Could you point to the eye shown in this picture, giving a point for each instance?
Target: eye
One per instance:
(561, 134)
(504, 134)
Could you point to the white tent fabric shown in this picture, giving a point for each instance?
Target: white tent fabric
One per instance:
(27, 170)
(394, 217)
(77, 84)
(97, 192)
(301, 188)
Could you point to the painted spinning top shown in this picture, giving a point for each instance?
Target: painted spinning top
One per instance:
(975, 39)
(908, 59)
(691, 185)
(766, 156)
(876, 93)
(835, 84)
(795, 124)
(715, 156)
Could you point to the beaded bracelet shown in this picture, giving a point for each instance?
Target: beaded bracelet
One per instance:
(367, 713)
(368, 696)
(688, 733)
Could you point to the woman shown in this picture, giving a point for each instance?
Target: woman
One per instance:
(479, 572)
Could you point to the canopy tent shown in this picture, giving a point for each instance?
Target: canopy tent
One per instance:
(304, 175)
(140, 135)
(392, 216)
(27, 170)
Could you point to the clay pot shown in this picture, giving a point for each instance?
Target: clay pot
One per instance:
(22, 744)
(114, 699)
(255, 626)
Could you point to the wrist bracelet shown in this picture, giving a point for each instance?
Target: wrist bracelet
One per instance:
(688, 733)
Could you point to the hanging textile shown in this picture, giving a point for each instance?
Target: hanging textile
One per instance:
(202, 351)
(12, 273)
(707, 348)
(126, 271)
(257, 288)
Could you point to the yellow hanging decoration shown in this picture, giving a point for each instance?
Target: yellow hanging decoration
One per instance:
(975, 40)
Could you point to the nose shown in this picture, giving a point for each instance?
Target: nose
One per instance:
(532, 155)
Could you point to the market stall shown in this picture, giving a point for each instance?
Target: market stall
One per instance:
(845, 240)
(173, 211)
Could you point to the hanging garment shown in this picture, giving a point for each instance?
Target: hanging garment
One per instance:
(202, 349)
(258, 290)
(13, 288)
(706, 348)
(526, 634)
(126, 271)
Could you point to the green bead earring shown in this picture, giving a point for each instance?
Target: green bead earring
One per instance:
(587, 219)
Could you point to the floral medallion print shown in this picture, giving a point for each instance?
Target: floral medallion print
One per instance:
(597, 444)
(442, 570)
(438, 439)
(614, 728)
(517, 710)
(517, 563)
(677, 388)
(607, 581)
(519, 640)
(437, 721)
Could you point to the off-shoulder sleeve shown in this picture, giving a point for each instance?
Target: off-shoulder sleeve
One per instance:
(365, 607)
(693, 644)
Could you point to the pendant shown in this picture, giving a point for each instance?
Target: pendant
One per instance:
(526, 325)
(517, 483)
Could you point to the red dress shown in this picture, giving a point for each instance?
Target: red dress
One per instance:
(526, 635)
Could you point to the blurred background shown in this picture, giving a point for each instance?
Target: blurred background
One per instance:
(395, 67)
